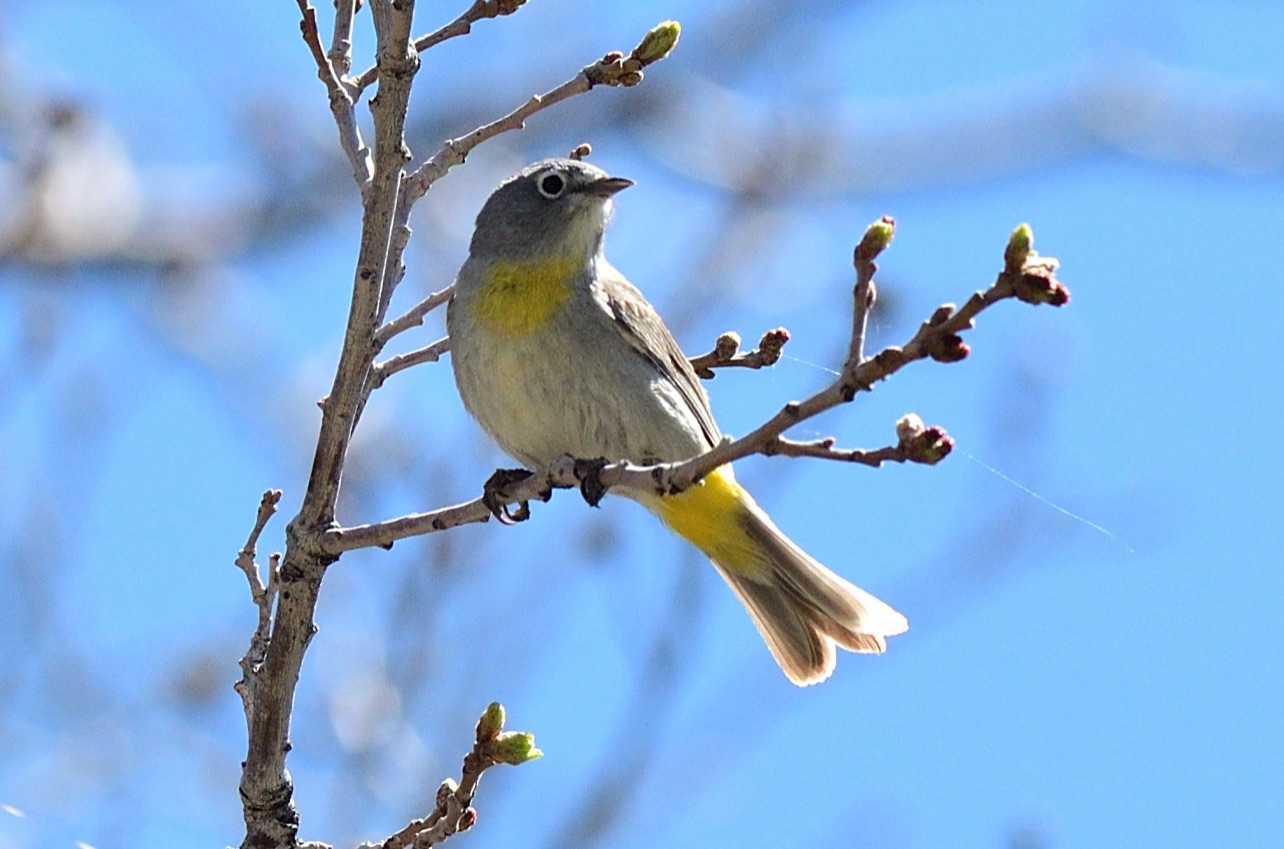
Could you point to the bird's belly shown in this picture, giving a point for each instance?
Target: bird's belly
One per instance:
(543, 395)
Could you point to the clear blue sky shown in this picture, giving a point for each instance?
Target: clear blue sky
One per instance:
(1095, 649)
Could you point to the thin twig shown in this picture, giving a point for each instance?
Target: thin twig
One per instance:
(262, 594)
(916, 443)
(454, 812)
(413, 317)
(876, 239)
(613, 69)
(462, 25)
(341, 102)
(427, 354)
(726, 353)
(823, 449)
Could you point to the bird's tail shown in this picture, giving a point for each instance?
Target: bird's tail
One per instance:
(801, 608)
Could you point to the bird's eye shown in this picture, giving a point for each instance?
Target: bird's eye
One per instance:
(551, 185)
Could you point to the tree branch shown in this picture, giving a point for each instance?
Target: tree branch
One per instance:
(414, 316)
(263, 595)
(267, 792)
(916, 443)
(462, 25)
(725, 353)
(341, 102)
(427, 354)
(613, 69)
(1026, 276)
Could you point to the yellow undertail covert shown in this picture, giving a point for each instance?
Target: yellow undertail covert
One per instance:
(709, 516)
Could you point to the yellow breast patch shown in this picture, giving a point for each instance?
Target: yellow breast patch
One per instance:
(519, 298)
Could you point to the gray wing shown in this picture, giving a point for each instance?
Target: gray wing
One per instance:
(642, 328)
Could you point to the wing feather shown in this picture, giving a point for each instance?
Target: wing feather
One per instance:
(641, 326)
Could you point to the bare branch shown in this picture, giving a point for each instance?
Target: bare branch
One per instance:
(263, 596)
(613, 69)
(1025, 276)
(725, 353)
(341, 102)
(462, 25)
(267, 792)
(916, 443)
(876, 239)
(340, 54)
(427, 354)
(414, 316)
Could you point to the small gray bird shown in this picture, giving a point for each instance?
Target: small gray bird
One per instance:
(556, 353)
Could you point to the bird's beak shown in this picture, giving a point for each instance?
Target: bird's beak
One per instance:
(606, 186)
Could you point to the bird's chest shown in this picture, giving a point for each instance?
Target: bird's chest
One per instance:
(569, 388)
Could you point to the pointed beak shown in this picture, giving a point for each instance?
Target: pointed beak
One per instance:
(606, 186)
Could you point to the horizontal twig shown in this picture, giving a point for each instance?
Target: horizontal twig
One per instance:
(462, 25)
(427, 354)
(413, 317)
(726, 353)
(613, 69)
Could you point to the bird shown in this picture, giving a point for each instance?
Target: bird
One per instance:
(556, 353)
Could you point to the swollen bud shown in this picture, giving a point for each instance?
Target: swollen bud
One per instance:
(876, 239)
(658, 43)
(1019, 245)
(922, 444)
(514, 748)
(491, 722)
(948, 348)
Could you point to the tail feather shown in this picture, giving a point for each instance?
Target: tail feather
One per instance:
(801, 608)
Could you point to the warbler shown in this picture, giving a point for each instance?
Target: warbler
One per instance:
(556, 353)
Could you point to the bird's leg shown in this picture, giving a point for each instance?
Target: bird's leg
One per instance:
(493, 496)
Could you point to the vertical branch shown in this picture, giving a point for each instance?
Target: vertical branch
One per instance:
(876, 239)
(340, 54)
(267, 792)
(397, 62)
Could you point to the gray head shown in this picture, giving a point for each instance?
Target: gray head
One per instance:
(555, 207)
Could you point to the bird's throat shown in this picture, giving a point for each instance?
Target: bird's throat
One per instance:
(519, 298)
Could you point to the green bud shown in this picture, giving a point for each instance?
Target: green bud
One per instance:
(658, 43)
(876, 239)
(1019, 245)
(491, 722)
(514, 748)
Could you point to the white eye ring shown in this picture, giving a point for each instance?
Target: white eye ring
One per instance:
(551, 184)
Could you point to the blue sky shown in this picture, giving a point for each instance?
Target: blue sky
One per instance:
(1060, 684)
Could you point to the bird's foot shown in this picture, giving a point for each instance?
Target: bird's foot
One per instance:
(590, 474)
(497, 504)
